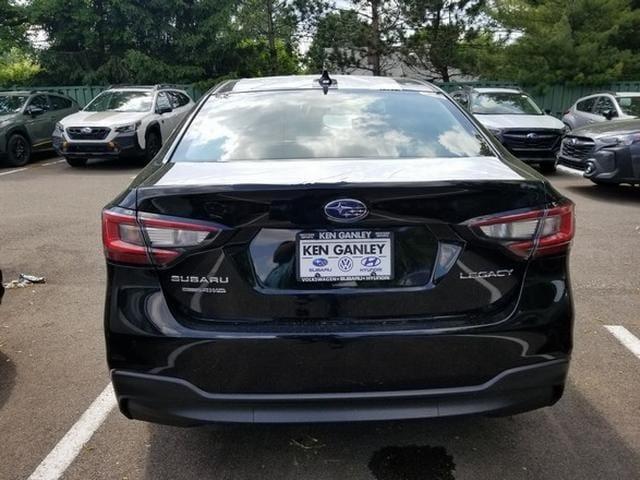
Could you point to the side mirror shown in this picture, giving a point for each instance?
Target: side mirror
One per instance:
(164, 109)
(33, 110)
(609, 114)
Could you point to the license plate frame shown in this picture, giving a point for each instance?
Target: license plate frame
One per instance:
(366, 247)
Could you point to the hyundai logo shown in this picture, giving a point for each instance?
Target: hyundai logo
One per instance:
(85, 129)
(532, 136)
(370, 261)
(320, 262)
(345, 210)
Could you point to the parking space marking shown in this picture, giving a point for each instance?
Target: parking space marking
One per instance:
(626, 338)
(13, 171)
(52, 163)
(68, 448)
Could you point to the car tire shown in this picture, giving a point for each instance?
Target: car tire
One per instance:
(152, 145)
(76, 162)
(548, 167)
(18, 150)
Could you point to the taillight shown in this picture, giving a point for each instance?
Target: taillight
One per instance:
(147, 239)
(536, 233)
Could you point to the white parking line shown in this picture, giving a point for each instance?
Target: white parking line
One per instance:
(68, 448)
(52, 163)
(626, 338)
(13, 171)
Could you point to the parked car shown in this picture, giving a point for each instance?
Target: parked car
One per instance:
(609, 153)
(27, 119)
(515, 119)
(122, 122)
(601, 107)
(345, 249)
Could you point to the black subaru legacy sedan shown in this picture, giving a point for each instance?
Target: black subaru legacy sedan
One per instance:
(310, 249)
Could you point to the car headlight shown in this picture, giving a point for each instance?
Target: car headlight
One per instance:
(627, 139)
(59, 128)
(128, 128)
(496, 132)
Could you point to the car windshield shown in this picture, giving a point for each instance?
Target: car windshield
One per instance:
(342, 124)
(11, 103)
(504, 103)
(630, 105)
(121, 101)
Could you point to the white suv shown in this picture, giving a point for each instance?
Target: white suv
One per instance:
(127, 121)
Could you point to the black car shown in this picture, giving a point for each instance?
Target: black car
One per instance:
(343, 249)
(609, 152)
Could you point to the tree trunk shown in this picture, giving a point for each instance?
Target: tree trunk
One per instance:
(375, 41)
(273, 53)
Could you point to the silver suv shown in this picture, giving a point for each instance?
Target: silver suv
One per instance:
(515, 119)
(601, 107)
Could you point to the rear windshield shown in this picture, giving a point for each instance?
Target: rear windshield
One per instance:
(341, 124)
(504, 103)
(119, 101)
(630, 105)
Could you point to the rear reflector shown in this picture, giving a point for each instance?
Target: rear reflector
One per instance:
(536, 233)
(148, 239)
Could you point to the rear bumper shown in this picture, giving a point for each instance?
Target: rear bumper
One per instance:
(175, 401)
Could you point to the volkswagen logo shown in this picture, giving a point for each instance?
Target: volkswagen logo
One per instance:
(85, 129)
(345, 210)
(345, 264)
(532, 136)
(370, 261)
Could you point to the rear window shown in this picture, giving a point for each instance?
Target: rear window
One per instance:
(342, 124)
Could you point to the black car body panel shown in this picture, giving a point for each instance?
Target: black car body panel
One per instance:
(227, 330)
(608, 152)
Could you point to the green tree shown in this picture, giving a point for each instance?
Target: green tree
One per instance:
(441, 32)
(17, 67)
(339, 43)
(581, 42)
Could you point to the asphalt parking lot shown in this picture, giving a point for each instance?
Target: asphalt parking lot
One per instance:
(52, 366)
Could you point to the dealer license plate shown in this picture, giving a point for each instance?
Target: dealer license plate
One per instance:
(344, 255)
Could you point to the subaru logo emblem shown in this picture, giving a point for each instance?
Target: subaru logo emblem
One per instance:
(320, 262)
(532, 136)
(370, 261)
(86, 130)
(345, 210)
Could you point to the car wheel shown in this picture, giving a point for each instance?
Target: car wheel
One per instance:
(76, 162)
(152, 145)
(547, 167)
(18, 150)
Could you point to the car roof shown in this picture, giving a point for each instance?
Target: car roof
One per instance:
(16, 92)
(627, 94)
(308, 82)
(497, 90)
